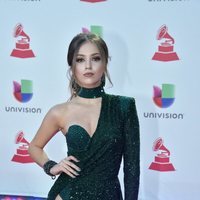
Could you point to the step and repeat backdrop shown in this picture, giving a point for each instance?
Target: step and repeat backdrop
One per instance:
(154, 50)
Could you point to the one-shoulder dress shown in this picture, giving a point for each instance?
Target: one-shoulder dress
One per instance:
(100, 156)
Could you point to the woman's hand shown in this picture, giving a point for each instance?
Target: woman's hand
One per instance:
(67, 166)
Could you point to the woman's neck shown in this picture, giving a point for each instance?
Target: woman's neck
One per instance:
(91, 93)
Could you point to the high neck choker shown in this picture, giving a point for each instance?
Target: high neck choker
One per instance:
(91, 93)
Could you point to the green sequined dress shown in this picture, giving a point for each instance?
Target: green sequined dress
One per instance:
(116, 136)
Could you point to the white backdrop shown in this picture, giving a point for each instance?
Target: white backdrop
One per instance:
(130, 28)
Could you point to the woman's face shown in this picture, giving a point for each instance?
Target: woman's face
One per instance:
(89, 66)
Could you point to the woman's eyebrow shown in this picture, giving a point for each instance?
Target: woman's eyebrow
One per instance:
(91, 54)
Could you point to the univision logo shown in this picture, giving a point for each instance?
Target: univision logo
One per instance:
(166, 1)
(164, 97)
(23, 92)
(98, 30)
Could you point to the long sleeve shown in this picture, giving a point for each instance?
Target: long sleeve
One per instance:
(131, 152)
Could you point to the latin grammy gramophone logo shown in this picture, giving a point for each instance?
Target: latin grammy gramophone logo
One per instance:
(162, 159)
(93, 1)
(165, 51)
(22, 46)
(22, 155)
(98, 30)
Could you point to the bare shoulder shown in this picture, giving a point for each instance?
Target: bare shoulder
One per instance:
(61, 114)
(59, 109)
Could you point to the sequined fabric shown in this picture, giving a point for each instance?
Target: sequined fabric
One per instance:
(116, 136)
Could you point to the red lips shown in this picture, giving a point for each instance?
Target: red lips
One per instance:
(89, 74)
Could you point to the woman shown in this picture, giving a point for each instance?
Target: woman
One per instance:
(99, 129)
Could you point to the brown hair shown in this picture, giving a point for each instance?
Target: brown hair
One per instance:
(73, 49)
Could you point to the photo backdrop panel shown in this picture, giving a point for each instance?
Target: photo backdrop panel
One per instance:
(154, 58)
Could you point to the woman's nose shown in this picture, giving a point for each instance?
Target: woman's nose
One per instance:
(88, 64)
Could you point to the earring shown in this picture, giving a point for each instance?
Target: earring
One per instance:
(103, 80)
(75, 86)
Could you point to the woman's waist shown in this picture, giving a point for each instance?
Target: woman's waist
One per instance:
(100, 166)
(96, 182)
(92, 178)
(98, 177)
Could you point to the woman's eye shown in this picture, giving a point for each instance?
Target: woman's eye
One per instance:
(96, 58)
(79, 60)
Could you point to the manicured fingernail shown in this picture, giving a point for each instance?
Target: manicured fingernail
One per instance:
(76, 173)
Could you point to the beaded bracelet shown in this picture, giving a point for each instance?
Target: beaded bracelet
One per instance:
(47, 167)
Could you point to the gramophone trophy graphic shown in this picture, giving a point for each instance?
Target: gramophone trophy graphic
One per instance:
(22, 46)
(22, 155)
(93, 1)
(161, 160)
(165, 51)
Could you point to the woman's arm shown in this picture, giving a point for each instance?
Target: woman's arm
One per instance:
(49, 127)
(131, 153)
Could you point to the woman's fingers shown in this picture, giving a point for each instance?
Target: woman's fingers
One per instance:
(69, 167)
(71, 164)
(68, 172)
(72, 158)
